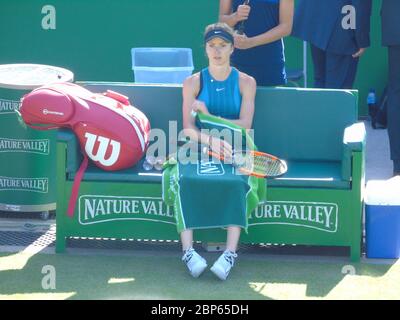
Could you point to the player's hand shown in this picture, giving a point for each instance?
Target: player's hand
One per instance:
(221, 147)
(199, 106)
(242, 12)
(242, 41)
(359, 53)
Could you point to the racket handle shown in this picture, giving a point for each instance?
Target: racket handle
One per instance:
(214, 154)
(240, 29)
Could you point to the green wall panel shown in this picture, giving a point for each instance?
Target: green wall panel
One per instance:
(93, 38)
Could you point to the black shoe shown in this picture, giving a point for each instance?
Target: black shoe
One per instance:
(396, 173)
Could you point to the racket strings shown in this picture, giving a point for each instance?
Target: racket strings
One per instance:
(263, 165)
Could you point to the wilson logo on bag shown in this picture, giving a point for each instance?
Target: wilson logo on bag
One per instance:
(104, 144)
(111, 132)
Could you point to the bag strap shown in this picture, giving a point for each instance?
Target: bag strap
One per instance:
(32, 126)
(75, 187)
(117, 96)
(42, 128)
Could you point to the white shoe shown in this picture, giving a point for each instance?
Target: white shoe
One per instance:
(195, 263)
(224, 264)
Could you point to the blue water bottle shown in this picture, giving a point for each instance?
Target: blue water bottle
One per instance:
(371, 101)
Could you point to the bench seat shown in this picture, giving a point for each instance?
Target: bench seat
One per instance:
(317, 202)
(300, 174)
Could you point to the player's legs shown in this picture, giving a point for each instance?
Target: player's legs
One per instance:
(187, 239)
(225, 262)
(232, 238)
(194, 262)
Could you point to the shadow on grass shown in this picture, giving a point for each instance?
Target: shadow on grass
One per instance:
(165, 277)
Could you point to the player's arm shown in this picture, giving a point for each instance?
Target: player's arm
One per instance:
(248, 87)
(232, 18)
(283, 29)
(191, 87)
(363, 25)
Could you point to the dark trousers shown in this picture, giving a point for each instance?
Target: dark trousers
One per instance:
(333, 71)
(394, 103)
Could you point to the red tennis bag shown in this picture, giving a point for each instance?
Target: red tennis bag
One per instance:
(111, 132)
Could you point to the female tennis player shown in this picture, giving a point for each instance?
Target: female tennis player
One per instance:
(220, 90)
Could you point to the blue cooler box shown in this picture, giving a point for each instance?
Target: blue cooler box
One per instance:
(162, 65)
(382, 219)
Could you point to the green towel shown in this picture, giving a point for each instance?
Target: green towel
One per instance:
(208, 193)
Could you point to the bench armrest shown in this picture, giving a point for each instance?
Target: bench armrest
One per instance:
(74, 155)
(354, 138)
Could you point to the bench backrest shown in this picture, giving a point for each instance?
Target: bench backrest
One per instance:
(303, 124)
(295, 124)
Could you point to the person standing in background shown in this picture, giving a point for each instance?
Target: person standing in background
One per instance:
(259, 51)
(335, 46)
(391, 38)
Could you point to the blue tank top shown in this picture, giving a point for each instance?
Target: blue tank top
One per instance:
(222, 98)
(265, 63)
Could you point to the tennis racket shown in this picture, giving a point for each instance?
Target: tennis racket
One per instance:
(249, 162)
(255, 163)
(242, 24)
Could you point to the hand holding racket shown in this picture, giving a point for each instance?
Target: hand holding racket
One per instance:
(221, 147)
(249, 162)
(241, 27)
(255, 163)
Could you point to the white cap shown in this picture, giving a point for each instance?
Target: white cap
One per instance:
(383, 192)
(31, 76)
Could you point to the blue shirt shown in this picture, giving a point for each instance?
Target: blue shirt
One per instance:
(222, 98)
(266, 63)
(320, 23)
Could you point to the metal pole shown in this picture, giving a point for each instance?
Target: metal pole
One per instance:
(305, 63)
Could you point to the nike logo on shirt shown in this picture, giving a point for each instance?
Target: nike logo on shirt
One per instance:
(220, 89)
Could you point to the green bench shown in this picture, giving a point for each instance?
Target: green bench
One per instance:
(318, 202)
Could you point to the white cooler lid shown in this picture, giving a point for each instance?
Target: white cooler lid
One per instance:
(386, 192)
(31, 76)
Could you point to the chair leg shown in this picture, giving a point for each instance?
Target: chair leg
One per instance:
(355, 252)
(60, 243)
